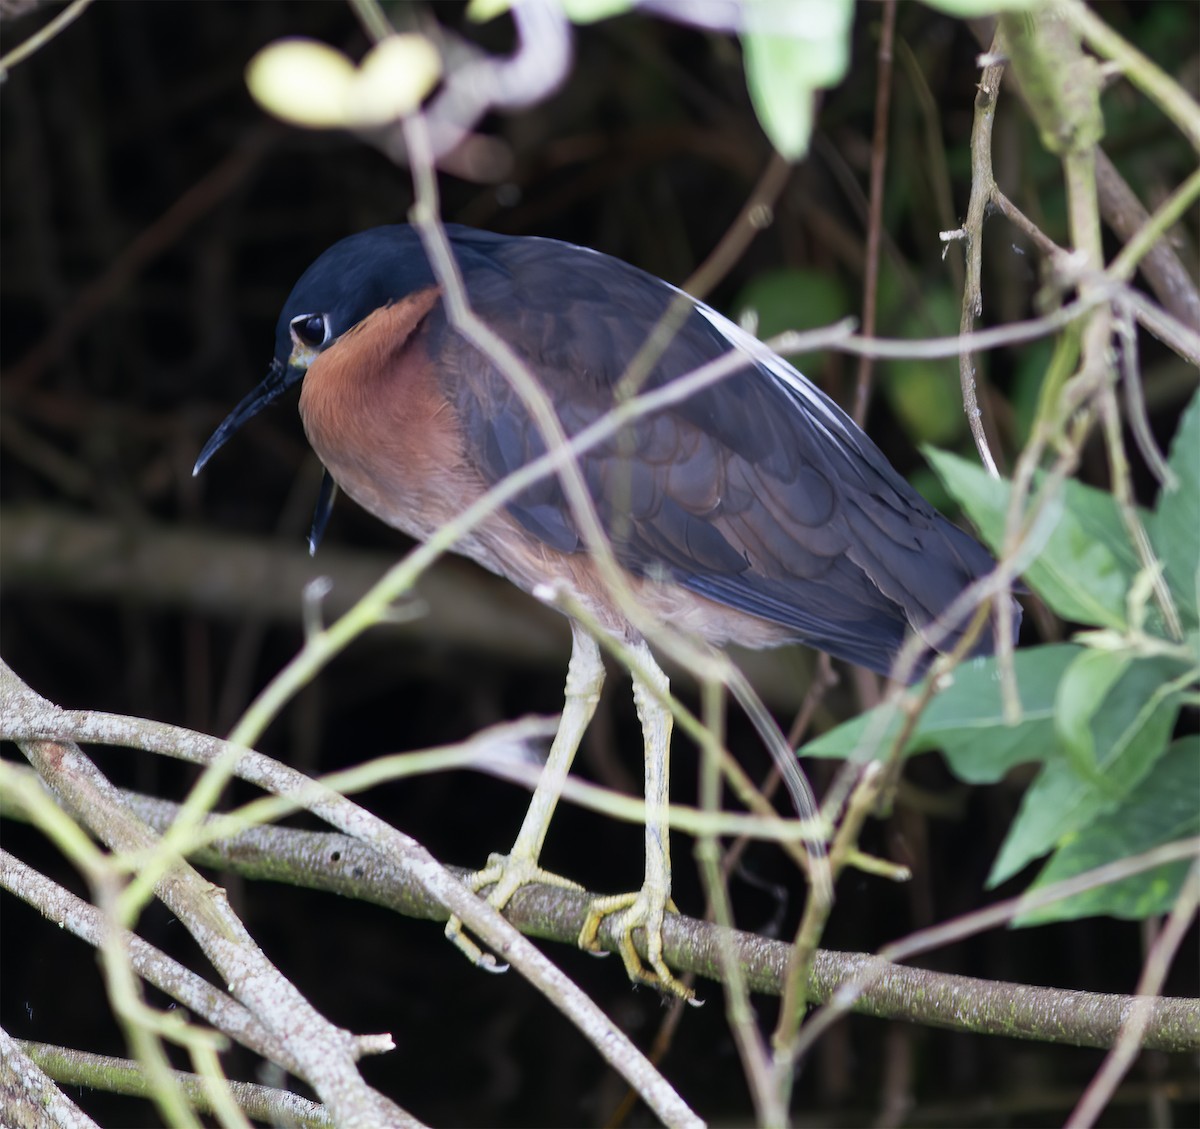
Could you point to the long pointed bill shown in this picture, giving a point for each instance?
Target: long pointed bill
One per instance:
(279, 379)
(325, 499)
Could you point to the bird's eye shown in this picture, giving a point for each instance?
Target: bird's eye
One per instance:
(311, 330)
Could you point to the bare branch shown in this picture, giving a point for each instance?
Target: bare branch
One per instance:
(870, 985)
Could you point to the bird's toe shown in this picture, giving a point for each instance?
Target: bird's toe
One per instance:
(496, 883)
(644, 911)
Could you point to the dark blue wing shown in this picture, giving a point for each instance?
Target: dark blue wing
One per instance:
(757, 492)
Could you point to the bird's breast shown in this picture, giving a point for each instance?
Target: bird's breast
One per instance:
(376, 414)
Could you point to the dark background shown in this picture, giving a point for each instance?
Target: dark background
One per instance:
(153, 222)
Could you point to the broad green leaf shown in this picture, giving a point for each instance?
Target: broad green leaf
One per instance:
(1083, 689)
(1130, 730)
(966, 719)
(1162, 808)
(974, 9)
(1085, 568)
(785, 70)
(1175, 526)
(792, 298)
(1097, 514)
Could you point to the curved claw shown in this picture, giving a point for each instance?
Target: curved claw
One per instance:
(642, 910)
(505, 874)
(482, 960)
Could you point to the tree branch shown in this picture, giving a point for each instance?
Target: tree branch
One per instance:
(343, 865)
(124, 1076)
(27, 717)
(326, 1054)
(28, 1097)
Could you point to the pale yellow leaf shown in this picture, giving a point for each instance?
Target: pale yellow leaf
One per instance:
(392, 79)
(302, 81)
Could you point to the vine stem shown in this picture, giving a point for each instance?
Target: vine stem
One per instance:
(879, 153)
(1145, 74)
(42, 36)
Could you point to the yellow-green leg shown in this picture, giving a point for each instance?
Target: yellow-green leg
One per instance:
(646, 908)
(506, 874)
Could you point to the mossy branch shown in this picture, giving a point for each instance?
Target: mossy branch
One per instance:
(344, 865)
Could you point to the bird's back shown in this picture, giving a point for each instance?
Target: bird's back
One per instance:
(757, 493)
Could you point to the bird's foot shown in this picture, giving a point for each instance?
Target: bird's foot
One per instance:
(642, 910)
(505, 875)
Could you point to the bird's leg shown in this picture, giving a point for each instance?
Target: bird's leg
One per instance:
(647, 907)
(506, 874)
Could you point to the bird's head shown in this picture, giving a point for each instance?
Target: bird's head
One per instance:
(351, 280)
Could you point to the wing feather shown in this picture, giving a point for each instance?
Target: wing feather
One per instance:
(757, 492)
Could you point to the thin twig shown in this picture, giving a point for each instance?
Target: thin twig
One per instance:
(1171, 282)
(1135, 402)
(85, 921)
(1129, 1040)
(879, 153)
(788, 1047)
(1142, 72)
(757, 214)
(983, 183)
(1151, 232)
(1122, 488)
(325, 1053)
(1002, 913)
(769, 1103)
(42, 36)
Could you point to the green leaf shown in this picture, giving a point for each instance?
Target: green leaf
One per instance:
(1086, 566)
(1130, 729)
(1160, 809)
(792, 298)
(591, 11)
(1083, 688)
(785, 70)
(1028, 377)
(1174, 527)
(966, 720)
(923, 393)
(577, 11)
(972, 9)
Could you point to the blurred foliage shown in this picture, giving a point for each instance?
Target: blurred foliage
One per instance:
(792, 298)
(925, 394)
(786, 70)
(153, 222)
